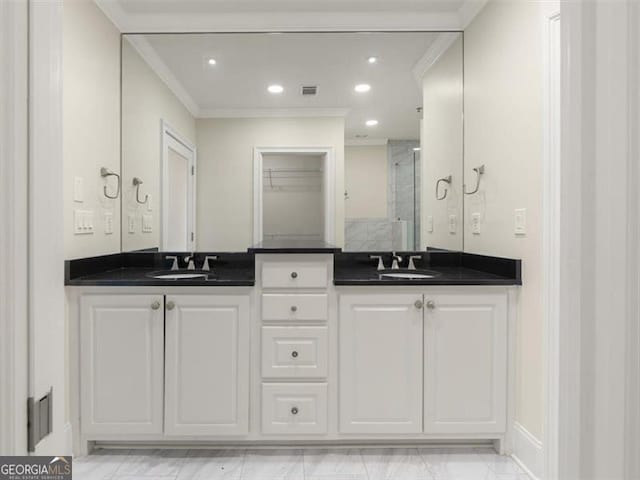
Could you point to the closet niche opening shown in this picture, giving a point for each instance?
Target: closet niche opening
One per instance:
(294, 197)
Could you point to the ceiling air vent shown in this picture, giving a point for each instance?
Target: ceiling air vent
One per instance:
(309, 90)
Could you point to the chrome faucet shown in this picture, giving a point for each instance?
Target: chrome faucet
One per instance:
(412, 266)
(189, 261)
(205, 264)
(380, 262)
(396, 259)
(174, 265)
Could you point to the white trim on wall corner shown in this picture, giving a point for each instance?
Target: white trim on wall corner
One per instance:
(528, 452)
(141, 45)
(433, 53)
(300, 112)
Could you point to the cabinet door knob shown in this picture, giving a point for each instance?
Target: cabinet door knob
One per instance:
(170, 305)
(294, 308)
(155, 305)
(294, 354)
(418, 304)
(294, 274)
(431, 304)
(294, 410)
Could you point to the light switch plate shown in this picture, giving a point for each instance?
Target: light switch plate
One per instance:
(108, 223)
(131, 222)
(149, 202)
(78, 189)
(82, 222)
(453, 223)
(430, 224)
(475, 223)
(520, 221)
(147, 223)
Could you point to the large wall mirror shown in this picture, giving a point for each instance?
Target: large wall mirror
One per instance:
(351, 138)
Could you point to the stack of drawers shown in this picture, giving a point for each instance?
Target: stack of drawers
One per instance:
(294, 363)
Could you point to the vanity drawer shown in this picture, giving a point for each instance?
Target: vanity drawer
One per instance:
(295, 408)
(283, 274)
(300, 307)
(294, 352)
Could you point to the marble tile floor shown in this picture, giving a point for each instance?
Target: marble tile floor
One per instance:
(294, 464)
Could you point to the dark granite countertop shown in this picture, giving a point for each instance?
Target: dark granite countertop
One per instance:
(132, 269)
(293, 246)
(452, 268)
(238, 269)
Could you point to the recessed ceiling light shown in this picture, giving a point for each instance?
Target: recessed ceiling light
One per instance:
(371, 123)
(275, 89)
(372, 59)
(212, 61)
(362, 88)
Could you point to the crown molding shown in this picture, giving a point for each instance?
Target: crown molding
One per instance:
(433, 53)
(290, 21)
(272, 112)
(365, 142)
(149, 55)
(468, 11)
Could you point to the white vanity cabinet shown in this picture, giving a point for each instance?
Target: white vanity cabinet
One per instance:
(207, 365)
(162, 366)
(444, 354)
(465, 359)
(380, 352)
(121, 364)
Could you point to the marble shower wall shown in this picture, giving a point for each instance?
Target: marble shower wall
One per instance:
(397, 231)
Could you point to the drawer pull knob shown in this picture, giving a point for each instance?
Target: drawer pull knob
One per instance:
(155, 305)
(294, 410)
(431, 304)
(294, 354)
(170, 305)
(418, 304)
(294, 274)
(294, 308)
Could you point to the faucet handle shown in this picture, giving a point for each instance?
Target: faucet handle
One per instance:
(205, 264)
(412, 265)
(174, 265)
(380, 262)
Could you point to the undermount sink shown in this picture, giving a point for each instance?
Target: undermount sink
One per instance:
(179, 274)
(406, 274)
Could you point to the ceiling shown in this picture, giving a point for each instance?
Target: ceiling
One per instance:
(334, 62)
(143, 16)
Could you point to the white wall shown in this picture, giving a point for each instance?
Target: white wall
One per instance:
(146, 101)
(366, 172)
(504, 130)
(293, 203)
(225, 172)
(91, 106)
(441, 148)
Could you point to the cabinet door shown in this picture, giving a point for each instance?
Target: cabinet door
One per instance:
(121, 364)
(380, 363)
(465, 363)
(207, 365)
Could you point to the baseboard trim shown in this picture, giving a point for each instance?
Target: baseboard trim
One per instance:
(527, 452)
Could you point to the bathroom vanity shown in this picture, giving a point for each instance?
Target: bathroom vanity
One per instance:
(299, 344)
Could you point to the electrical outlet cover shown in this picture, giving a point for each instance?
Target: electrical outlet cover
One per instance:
(131, 222)
(475, 223)
(520, 221)
(453, 223)
(430, 224)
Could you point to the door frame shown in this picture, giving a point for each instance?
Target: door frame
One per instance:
(171, 138)
(329, 187)
(14, 191)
